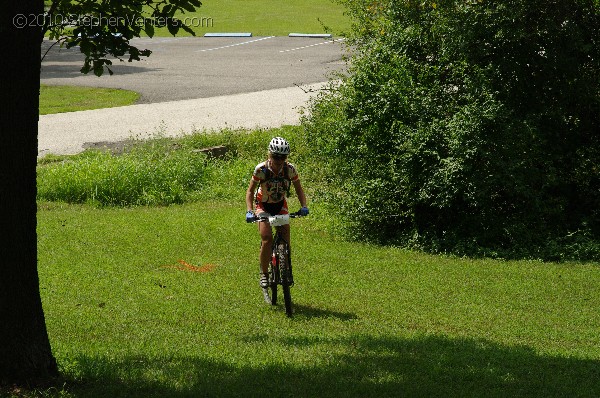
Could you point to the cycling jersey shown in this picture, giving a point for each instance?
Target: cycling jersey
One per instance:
(273, 187)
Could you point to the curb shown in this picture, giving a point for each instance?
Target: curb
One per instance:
(248, 34)
(312, 35)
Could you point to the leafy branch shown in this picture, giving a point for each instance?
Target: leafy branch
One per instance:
(103, 29)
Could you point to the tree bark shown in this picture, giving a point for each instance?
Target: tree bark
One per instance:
(25, 353)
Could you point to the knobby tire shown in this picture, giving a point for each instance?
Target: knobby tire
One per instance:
(273, 279)
(282, 255)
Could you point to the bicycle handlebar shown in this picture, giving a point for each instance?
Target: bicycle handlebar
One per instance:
(266, 219)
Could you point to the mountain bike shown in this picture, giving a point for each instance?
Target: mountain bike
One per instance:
(280, 267)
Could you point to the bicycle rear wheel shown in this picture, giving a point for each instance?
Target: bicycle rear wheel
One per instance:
(286, 276)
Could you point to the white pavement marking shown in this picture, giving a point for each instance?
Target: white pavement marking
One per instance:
(224, 34)
(236, 44)
(66, 133)
(311, 45)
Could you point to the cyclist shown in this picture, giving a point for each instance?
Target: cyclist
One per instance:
(273, 178)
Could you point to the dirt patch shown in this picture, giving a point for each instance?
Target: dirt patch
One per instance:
(191, 268)
(120, 147)
(114, 147)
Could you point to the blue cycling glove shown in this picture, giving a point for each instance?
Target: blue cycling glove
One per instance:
(250, 216)
(304, 211)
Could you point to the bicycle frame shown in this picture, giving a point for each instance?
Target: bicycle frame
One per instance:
(280, 267)
(281, 275)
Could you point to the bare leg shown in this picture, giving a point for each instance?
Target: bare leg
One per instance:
(266, 248)
(266, 245)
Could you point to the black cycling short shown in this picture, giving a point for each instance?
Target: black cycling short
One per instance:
(272, 208)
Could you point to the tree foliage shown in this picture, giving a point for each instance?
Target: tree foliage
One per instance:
(469, 126)
(104, 28)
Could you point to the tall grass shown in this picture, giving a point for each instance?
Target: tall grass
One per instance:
(145, 175)
(159, 171)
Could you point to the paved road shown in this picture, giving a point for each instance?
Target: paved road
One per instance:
(200, 67)
(190, 84)
(70, 133)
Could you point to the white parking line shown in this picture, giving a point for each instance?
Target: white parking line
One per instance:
(311, 45)
(236, 44)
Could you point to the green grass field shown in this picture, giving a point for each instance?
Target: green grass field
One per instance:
(58, 99)
(125, 321)
(267, 17)
(127, 318)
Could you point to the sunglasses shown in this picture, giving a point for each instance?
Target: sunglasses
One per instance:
(278, 157)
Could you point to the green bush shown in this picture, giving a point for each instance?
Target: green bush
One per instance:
(468, 127)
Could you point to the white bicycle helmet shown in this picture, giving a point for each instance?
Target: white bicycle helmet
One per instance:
(279, 146)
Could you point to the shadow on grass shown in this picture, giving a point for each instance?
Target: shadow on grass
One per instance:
(306, 311)
(365, 366)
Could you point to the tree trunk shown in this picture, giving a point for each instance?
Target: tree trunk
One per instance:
(25, 354)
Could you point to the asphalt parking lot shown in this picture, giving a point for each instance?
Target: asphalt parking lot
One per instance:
(191, 84)
(182, 68)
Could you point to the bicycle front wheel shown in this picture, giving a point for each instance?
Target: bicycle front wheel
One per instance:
(273, 280)
(286, 276)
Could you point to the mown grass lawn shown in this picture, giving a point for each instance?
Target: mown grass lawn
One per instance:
(264, 18)
(59, 99)
(267, 17)
(125, 321)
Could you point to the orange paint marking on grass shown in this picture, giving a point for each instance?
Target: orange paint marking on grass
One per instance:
(193, 268)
